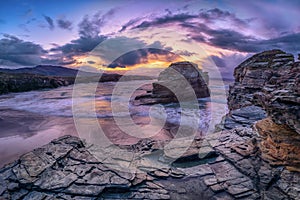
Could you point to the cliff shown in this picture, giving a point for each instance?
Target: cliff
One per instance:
(269, 80)
(266, 95)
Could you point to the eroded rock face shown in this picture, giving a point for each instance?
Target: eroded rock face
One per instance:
(270, 80)
(281, 98)
(254, 74)
(180, 81)
(267, 85)
(280, 144)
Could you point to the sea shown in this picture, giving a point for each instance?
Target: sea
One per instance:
(29, 120)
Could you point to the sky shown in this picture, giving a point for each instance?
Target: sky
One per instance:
(144, 34)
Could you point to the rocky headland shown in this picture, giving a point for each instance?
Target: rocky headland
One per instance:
(26, 82)
(48, 76)
(254, 155)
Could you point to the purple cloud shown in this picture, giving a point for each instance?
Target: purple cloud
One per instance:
(50, 22)
(15, 51)
(64, 24)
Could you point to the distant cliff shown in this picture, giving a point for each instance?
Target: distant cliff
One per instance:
(44, 70)
(48, 76)
(27, 82)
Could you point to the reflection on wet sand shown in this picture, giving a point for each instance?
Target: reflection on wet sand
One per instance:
(22, 131)
(31, 119)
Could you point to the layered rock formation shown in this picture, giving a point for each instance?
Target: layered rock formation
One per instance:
(180, 80)
(267, 84)
(269, 80)
(281, 97)
(254, 74)
(280, 145)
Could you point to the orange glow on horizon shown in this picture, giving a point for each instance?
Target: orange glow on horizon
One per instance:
(151, 61)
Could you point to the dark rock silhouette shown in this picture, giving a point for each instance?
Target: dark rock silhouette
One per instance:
(44, 70)
(48, 76)
(182, 80)
(27, 82)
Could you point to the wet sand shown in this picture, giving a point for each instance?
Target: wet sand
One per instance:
(23, 131)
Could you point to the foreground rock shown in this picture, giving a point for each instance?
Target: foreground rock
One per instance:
(225, 165)
(242, 117)
(182, 80)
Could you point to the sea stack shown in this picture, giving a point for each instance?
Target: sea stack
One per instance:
(181, 79)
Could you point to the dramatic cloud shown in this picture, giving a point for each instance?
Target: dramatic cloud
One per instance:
(18, 52)
(233, 40)
(64, 24)
(185, 53)
(130, 23)
(288, 42)
(204, 16)
(143, 56)
(65, 54)
(207, 27)
(241, 29)
(50, 22)
(89, 30)
(80, 45)
(166, 20)
(225, 64)
(210, 16)
(91, 26)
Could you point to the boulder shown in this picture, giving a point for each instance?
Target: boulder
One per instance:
(182, 80)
